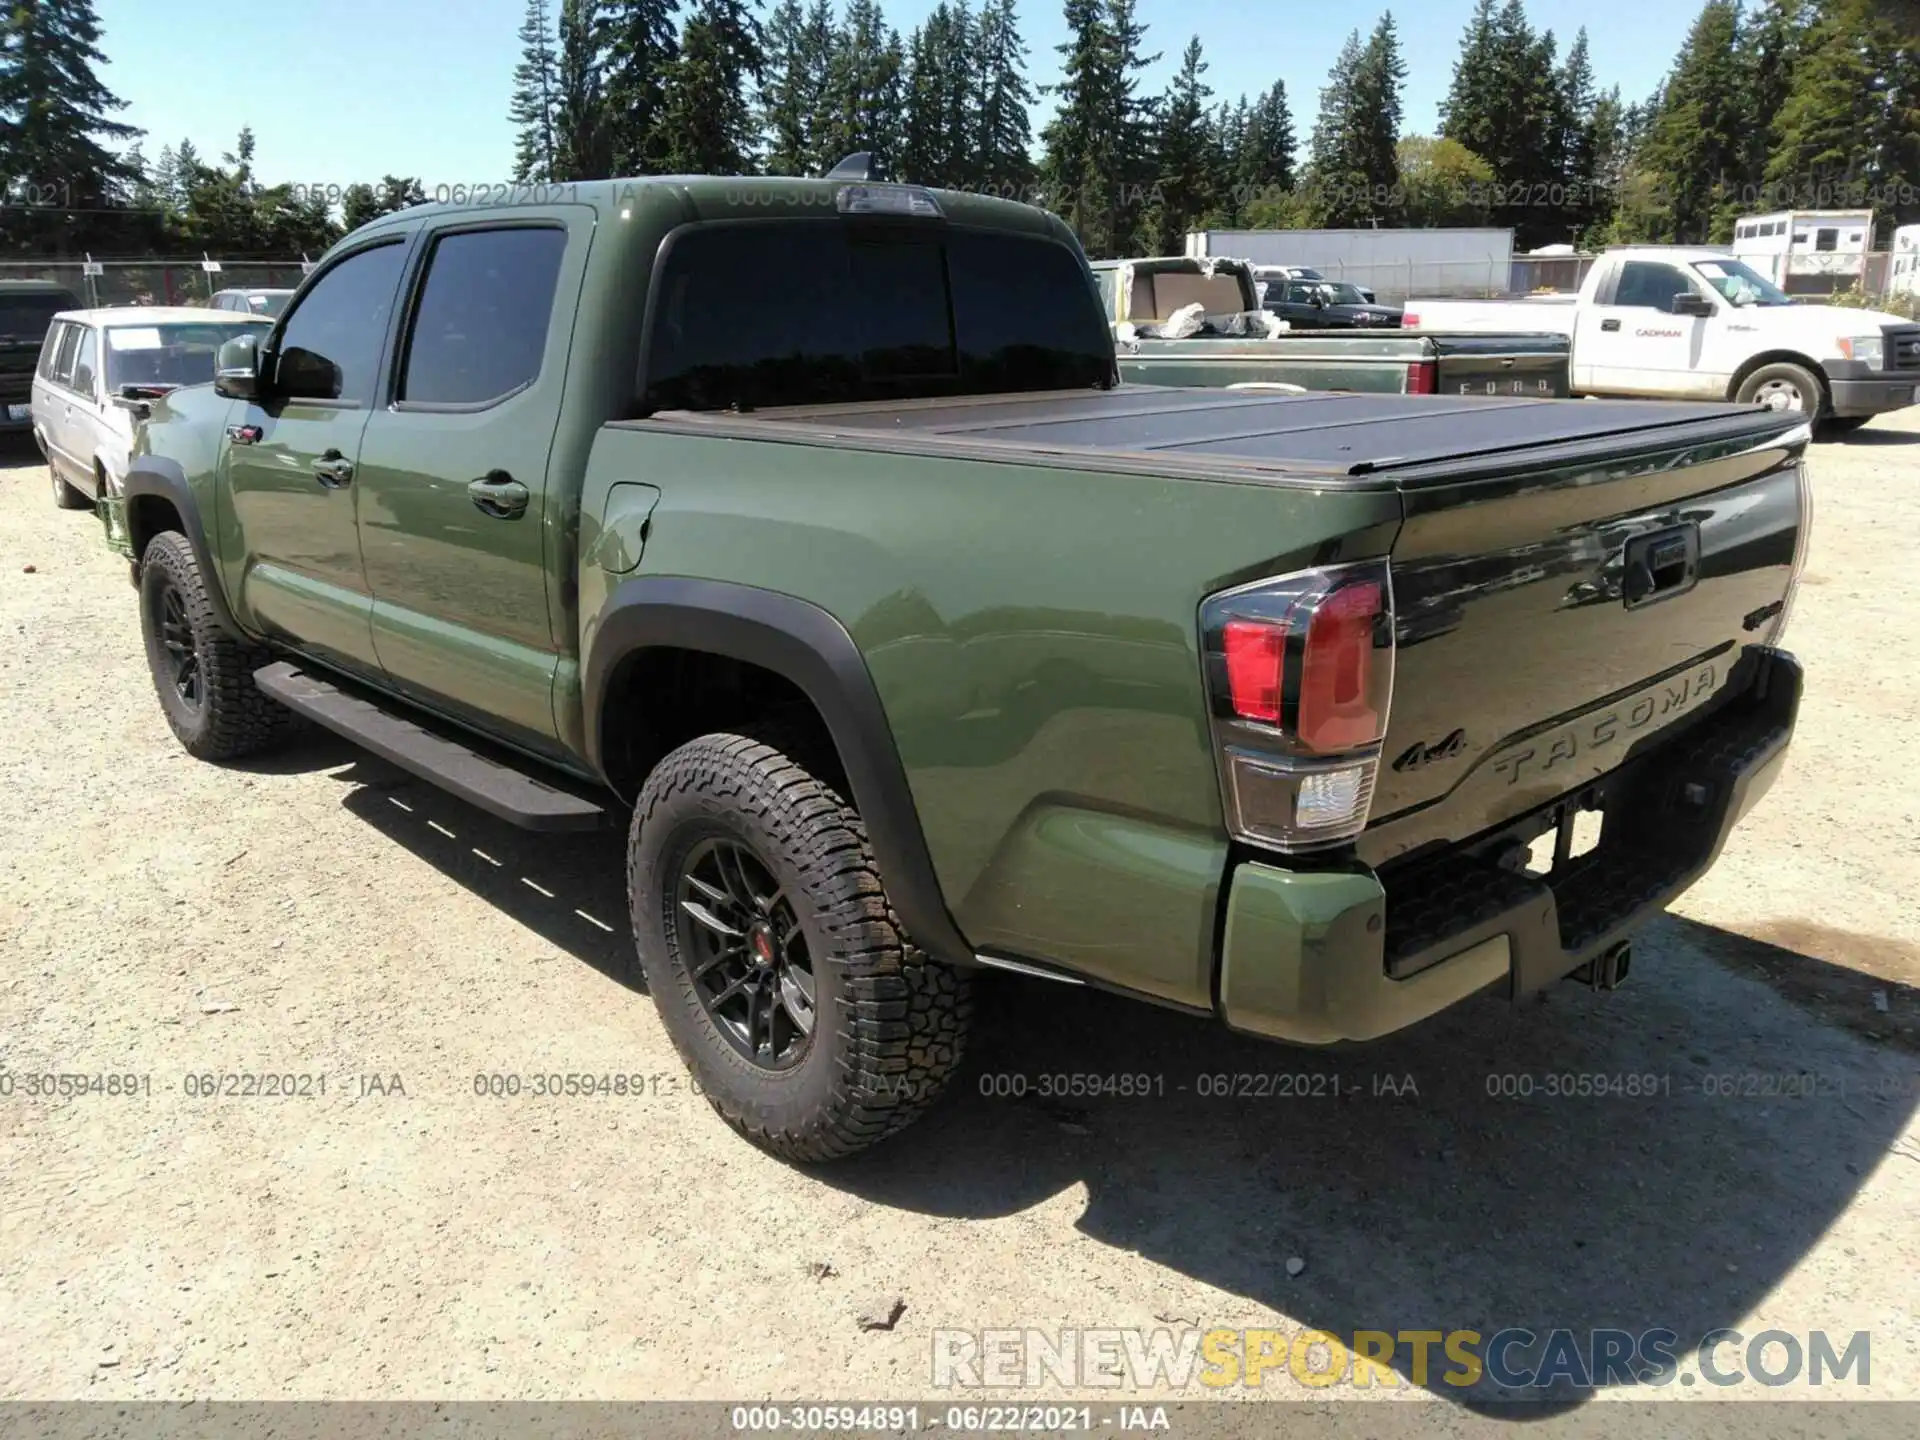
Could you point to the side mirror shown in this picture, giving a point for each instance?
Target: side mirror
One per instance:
(1690, 302)
(236, 369)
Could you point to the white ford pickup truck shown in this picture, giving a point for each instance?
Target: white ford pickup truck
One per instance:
(1697, 324)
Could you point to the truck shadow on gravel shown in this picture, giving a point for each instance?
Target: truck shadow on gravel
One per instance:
(1432, 1181)
(568, 889)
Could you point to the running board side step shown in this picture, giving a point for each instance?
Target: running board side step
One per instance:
(457, 768)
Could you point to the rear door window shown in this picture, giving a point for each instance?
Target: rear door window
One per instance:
(50, 348)
(26, 317)
(873, 311)
(63, 358)
(86, 360)
(480, 327)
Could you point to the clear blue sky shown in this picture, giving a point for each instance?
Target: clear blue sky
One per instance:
(348, 90)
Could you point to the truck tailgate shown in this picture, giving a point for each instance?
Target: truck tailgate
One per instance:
(1552, 617)
(1538, 366)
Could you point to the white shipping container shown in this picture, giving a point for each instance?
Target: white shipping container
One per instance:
(1392, 263)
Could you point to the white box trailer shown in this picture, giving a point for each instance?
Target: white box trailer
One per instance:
(1903, 269)
(1806, 252)
(1392, 263)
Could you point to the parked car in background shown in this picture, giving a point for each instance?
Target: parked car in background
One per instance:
(27, 308)
(1232, 346)
(251, 302)
(1328, 305)
(1272, 278)
(97, 371)
(1695, 323)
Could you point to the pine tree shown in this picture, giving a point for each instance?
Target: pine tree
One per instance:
(1577, 142)
(1607, 137)
(1476, 111)
(865, 80)
(1004, 137)
(956, 43)
(821, 44)
(938, 141)
(1507, 105)
(358, 205)
(1267, 154)
(1378, 109)
(1227, 130)
(1769, 51)
(1334, 174)
(640, 52)
(580, 150)
(1896, 131)
(1847, 127)
(787, 87)
(1098, 169)
(1695, 142)
(163, 181)
(707, 126)
(1184, 150)
(55, 122)
(534, 85)
(1355, 164)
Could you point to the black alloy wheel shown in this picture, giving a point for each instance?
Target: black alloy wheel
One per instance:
(751, 964)
(177, 639)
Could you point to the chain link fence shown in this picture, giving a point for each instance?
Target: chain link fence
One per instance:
(156, 282)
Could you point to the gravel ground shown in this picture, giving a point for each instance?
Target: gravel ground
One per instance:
(400, 1236)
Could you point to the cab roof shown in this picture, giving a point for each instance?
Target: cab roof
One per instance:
(687, 198)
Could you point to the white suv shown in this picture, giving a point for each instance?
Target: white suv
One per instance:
(98, 368)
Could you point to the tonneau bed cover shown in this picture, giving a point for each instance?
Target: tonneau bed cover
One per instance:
(1249, 432)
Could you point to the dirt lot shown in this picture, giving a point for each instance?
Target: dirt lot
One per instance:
(401, 1236)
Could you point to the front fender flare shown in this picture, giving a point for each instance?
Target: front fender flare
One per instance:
(806, 645)
(157, 476)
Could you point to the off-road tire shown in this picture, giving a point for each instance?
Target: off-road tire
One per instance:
(65, 496)
(233, 717)
(890, 1024)
(1813, 397)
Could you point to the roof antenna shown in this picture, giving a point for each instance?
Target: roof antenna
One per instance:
(860, 165)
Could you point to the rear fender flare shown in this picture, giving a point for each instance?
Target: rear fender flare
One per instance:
(153, 475)
(806, 645)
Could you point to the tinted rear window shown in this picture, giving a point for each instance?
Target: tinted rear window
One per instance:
(868, 312)
(28, 316)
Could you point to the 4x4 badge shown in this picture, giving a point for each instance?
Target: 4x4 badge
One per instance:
(1415, 756)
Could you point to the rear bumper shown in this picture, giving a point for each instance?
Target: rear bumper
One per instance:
(1867, 392)
(1316, 958)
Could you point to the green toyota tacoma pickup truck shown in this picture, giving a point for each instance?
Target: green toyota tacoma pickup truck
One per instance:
(905, 642)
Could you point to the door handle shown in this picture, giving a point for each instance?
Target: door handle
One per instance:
(333, 470)
(1609, 324)
(243, 434)
(498, 494)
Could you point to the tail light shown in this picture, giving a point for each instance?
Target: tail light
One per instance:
(1299, 679)
(1409, 319)
(1803, 489)
(1423, 377)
